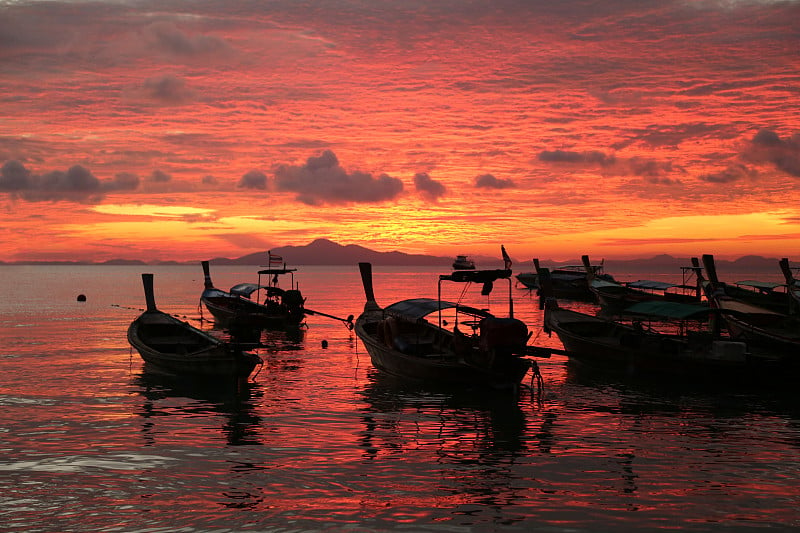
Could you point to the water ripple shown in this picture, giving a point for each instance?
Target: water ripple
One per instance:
(77, 463)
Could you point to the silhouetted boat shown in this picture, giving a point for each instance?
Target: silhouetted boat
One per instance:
(615, 295)
(661, 341)
(280, 308)
(754, 324)
(462, 262)
(569, 282)
(792, 285)
(176, 347)
(402, 342)
(765, 294)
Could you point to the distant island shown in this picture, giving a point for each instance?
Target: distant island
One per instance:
(327, 252)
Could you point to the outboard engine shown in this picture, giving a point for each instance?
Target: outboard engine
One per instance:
(293, 301)
(501, 341)
(504, 336)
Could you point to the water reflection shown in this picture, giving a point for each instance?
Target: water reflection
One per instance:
(271, 340)
(481, 421)
(673, 429)
(735, 397)
(169, 395)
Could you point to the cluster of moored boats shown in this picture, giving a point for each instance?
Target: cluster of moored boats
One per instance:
(169, 344)
(699, 325)
(748, 328)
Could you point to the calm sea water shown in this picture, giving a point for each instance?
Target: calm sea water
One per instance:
(319, 441)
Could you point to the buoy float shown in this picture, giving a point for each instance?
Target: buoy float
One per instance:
(324, 344)
(81, 297)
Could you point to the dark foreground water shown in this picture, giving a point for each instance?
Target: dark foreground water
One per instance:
(91, 441)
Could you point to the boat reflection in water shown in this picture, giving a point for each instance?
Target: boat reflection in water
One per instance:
(466, 448)
(400, 417)
(168, 399)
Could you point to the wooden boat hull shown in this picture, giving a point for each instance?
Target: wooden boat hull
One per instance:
(436, 366)
(607, 343)
(569, 286)
(178, 348)
(619, 300)
(281, 309)
(232, 310)
(758, 324)
(772, 334)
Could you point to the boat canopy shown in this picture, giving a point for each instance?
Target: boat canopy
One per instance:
(648, 284)
(765, 286)
(245, 289)
(476, 276)
(271, 271)
(417, 308)
(673, 310)
(604, 284)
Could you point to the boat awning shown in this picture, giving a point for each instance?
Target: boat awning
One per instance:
(765, 286)
(271, 271)
(674, 310)
(417, 308)
(244, 289)
(603, 284)
(476, 276)
(652, 285)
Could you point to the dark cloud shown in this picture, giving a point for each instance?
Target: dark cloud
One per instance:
(166, 37)
(662, 180)
(564, 156)
(123, 181)
(255, 179)
(322, 180)
(729, 175)
(650, 169)
(488, 181)
(654, 171)
(77, 179)
(767, 138)
(78, 183)
(428, 187)
(164, 90)
(768, 147)
(159, 176)
(14, 176)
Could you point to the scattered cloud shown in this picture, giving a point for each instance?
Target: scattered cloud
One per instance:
(652, 170)
(76, 179)
(488, 181)
(124, 181)
(166, 37)
(14, 176)
(159, 176)
(165, 90)
(323, 181)
(255, 179)
(733, 173)
(76, 184)
(768, 147)
(566, 156)
(428, 187)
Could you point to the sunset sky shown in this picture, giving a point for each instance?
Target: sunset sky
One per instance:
(185, 130)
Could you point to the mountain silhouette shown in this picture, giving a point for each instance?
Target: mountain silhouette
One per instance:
(326, 252)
